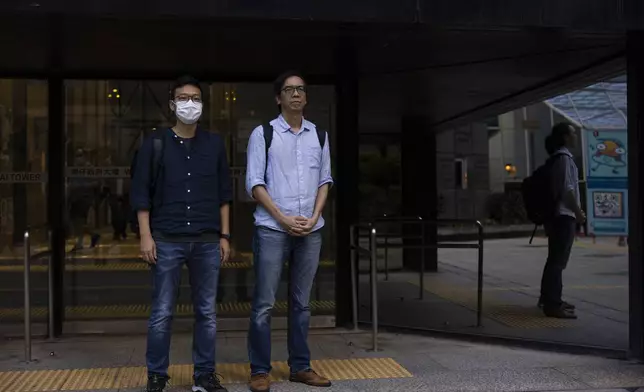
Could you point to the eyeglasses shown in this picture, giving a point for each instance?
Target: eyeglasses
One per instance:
(186, 98)
(292, 89)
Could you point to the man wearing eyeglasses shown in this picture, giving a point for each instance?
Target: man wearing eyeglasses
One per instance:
(289, 174)
(181, 190)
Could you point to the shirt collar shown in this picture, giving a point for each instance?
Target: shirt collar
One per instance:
(564, 150)
(284, 127)
(198, 133)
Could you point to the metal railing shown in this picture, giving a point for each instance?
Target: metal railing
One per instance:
(418, 220)
(371, 253)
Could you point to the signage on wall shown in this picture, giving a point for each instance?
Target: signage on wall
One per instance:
(22, 177)
(98, 172)
(607, 182)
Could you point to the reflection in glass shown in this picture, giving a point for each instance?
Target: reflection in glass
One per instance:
(23, 191)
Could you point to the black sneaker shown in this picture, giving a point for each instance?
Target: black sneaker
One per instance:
(560, 313)
(208, 383)
(564, 304)
(157, 383)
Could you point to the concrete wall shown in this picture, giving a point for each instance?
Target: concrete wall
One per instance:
(469, 144)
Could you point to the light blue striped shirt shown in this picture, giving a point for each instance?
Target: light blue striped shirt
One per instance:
(566, 178)
(297, 168)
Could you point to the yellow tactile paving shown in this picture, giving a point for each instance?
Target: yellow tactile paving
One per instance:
(135, 266)
(181, 375)
(139, 311)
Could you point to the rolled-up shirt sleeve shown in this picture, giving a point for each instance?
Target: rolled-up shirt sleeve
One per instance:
(325, 167)
(140, 187)
(255, 160)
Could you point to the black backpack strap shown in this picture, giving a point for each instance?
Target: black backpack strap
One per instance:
(268, 139)
(321, 137)
(158, 144)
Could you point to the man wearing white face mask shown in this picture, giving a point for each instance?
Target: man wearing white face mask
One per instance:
(181, 190)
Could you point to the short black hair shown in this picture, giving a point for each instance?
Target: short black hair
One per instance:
(185, 80)
(549, 144)
(279, 82)
(559, 133)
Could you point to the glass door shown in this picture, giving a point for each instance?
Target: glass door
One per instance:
(23, 197)
(105, 122)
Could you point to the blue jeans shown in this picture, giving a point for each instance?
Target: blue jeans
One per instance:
(203, 260)
(270, 249)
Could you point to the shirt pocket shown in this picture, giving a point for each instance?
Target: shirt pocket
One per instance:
(314, 157)
(206, 165)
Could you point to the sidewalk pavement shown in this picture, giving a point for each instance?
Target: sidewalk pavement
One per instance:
(420, 363)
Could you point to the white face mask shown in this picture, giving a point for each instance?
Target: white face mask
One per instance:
(188, 112)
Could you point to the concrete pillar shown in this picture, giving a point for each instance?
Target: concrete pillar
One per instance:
(418, 154)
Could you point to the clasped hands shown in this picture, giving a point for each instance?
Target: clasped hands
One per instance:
(298, 226)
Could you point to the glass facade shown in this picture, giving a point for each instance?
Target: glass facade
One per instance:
(23, 190)
(104, 124)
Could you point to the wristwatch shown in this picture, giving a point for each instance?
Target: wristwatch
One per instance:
(225, 236)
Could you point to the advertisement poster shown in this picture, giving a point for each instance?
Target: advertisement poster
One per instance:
(607, 180)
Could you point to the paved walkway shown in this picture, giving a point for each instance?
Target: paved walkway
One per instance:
(596, 280)
(412, 363)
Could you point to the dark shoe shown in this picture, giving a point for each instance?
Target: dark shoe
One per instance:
(565, 304)
(560, 313)
(259, 383)
(208, 383)
(157, 383)
(311, 378)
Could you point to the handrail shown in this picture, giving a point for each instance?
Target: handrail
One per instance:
(423, 246)
(371, 252)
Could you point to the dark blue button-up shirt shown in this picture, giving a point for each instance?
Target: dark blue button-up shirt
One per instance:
(194, 182)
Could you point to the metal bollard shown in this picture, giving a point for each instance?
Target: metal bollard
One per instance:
(374, 290)
(479, 305)
(50, 290)
(27, 297)
(354, 278)
(422, 260)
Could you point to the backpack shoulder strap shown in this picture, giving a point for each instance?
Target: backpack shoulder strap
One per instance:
(268, 139)
(158, 148)
(321, 137)
(158, 141)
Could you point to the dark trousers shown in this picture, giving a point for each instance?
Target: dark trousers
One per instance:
(561, 236)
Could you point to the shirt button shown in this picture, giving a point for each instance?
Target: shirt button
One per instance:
(188, 156)
(188, 223)
(188, 207)
(181, 142)
(189, 174)
(188, 190)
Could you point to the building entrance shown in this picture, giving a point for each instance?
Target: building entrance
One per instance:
(106, 284)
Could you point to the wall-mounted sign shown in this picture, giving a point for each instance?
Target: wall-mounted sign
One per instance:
(607, 180)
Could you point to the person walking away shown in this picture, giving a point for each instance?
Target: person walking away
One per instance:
(561, 227)
(183, 217)
(289, 175)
